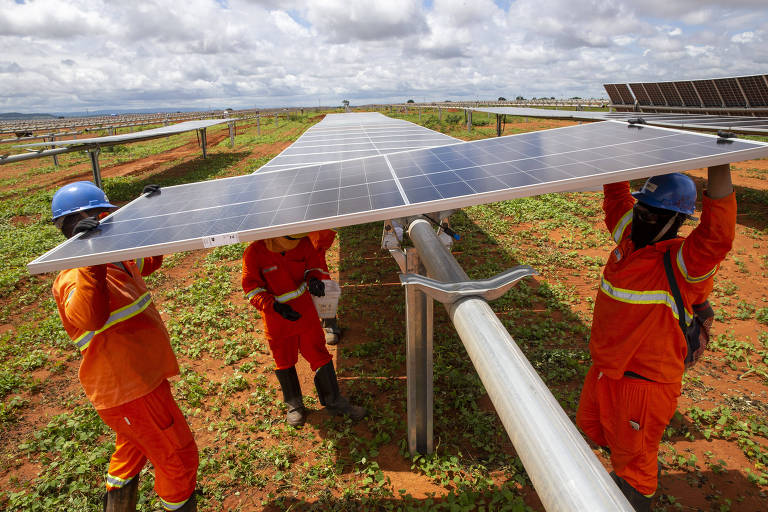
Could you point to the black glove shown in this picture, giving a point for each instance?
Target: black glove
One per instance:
(316, 287)
(286, 311)
(85, 225)
(150, 190)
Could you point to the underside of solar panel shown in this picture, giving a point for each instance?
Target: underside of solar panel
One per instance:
(282, 201)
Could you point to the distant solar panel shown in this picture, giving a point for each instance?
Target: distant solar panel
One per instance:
(124, 138)
(355, 135)
(268, 204)
(640, 94)
(670, 94)
(756, 89)
(688, 94)
(708, 93)
(613, 94)
(626, 94)
(654, 92)
(730, 92)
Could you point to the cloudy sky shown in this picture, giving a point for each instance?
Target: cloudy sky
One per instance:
(73, 55)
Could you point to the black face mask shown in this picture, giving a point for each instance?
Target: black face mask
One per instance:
(651, 225)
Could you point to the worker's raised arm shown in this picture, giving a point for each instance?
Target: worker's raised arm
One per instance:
(253, 283)
(617, 205)
(709, 243)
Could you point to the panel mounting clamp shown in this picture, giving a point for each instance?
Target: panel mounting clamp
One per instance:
(488, 289)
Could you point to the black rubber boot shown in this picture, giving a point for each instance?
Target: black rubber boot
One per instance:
(638, 501)
(329, 395)
(123, 499)
(190, 505)
(289, 382)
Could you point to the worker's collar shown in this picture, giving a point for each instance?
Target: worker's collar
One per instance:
(281, 243)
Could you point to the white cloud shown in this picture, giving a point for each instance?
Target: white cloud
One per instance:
(62, 56)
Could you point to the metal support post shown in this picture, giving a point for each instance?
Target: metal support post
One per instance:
(204, 142)
(419, 309)
(94, 154)
(566, 474)
(231, 134)
(55, 157)
(439, 115)
(469, 120)
(258, 125)
(419, 114)
(276, 122)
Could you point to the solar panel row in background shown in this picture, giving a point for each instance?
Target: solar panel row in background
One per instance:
(744, 93)
(268, 204)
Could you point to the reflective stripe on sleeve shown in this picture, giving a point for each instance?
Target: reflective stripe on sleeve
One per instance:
(306, 272)
(291, 295)
(618, 231)
(69, 296)
(115, 317)
(139, 263)
(643, 297)
(684, 270)
(253, 292)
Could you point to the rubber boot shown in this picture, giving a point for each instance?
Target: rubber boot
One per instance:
(190, 505)
(329, 395)
(331, 330)
(289, 382)
(123, 499)
(638, 501)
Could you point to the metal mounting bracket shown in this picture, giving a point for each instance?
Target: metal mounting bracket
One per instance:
(488, 289)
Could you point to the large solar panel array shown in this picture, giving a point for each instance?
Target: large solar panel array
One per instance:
(123, 138)
(355, 135)
(742, 92)
(268, 204)
(740, 124)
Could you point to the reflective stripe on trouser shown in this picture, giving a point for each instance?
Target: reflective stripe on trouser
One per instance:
(152, 427)
(629, 416)
(115, 317)
(311, 344)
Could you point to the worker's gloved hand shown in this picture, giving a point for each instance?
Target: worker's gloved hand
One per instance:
(316, 287)
(286, 311)
(85, 225)
(150, 189)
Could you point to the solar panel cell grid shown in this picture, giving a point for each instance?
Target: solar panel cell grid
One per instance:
(654, 92)
(626, 94)
(640, 94)
(708, 93)
(688, 94)
(613, 94)
(730, 92)
(670, 94)
(756, 90)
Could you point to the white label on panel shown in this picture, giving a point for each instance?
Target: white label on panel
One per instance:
(217, 240)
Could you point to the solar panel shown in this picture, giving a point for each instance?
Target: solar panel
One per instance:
(123, 138)
(613, 94)
(756, 90)
(654, 92)
(708, 93)
(640, 94)
(688, 94)
(268, 204)
(670, 94)
(625, 94)
(341, 137)
(730, 92)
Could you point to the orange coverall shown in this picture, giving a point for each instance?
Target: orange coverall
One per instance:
(126, 361)
(283, 276)
(635, 329)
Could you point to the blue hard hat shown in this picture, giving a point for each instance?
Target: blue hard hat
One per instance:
(675, 192)
(78, 196)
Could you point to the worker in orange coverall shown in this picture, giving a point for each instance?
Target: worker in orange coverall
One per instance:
(322, 241)
(279, 274)
(637, 345)
(126, 361)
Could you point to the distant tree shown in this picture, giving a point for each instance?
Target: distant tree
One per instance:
(551, 97)
(575, 98)
(447, 101)
(345, 103)
(502, 98)
(410, 101)
(520, 98)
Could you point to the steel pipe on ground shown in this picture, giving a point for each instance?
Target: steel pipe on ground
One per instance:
(566, 474)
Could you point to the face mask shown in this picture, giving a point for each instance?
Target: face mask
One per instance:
(651, 225)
